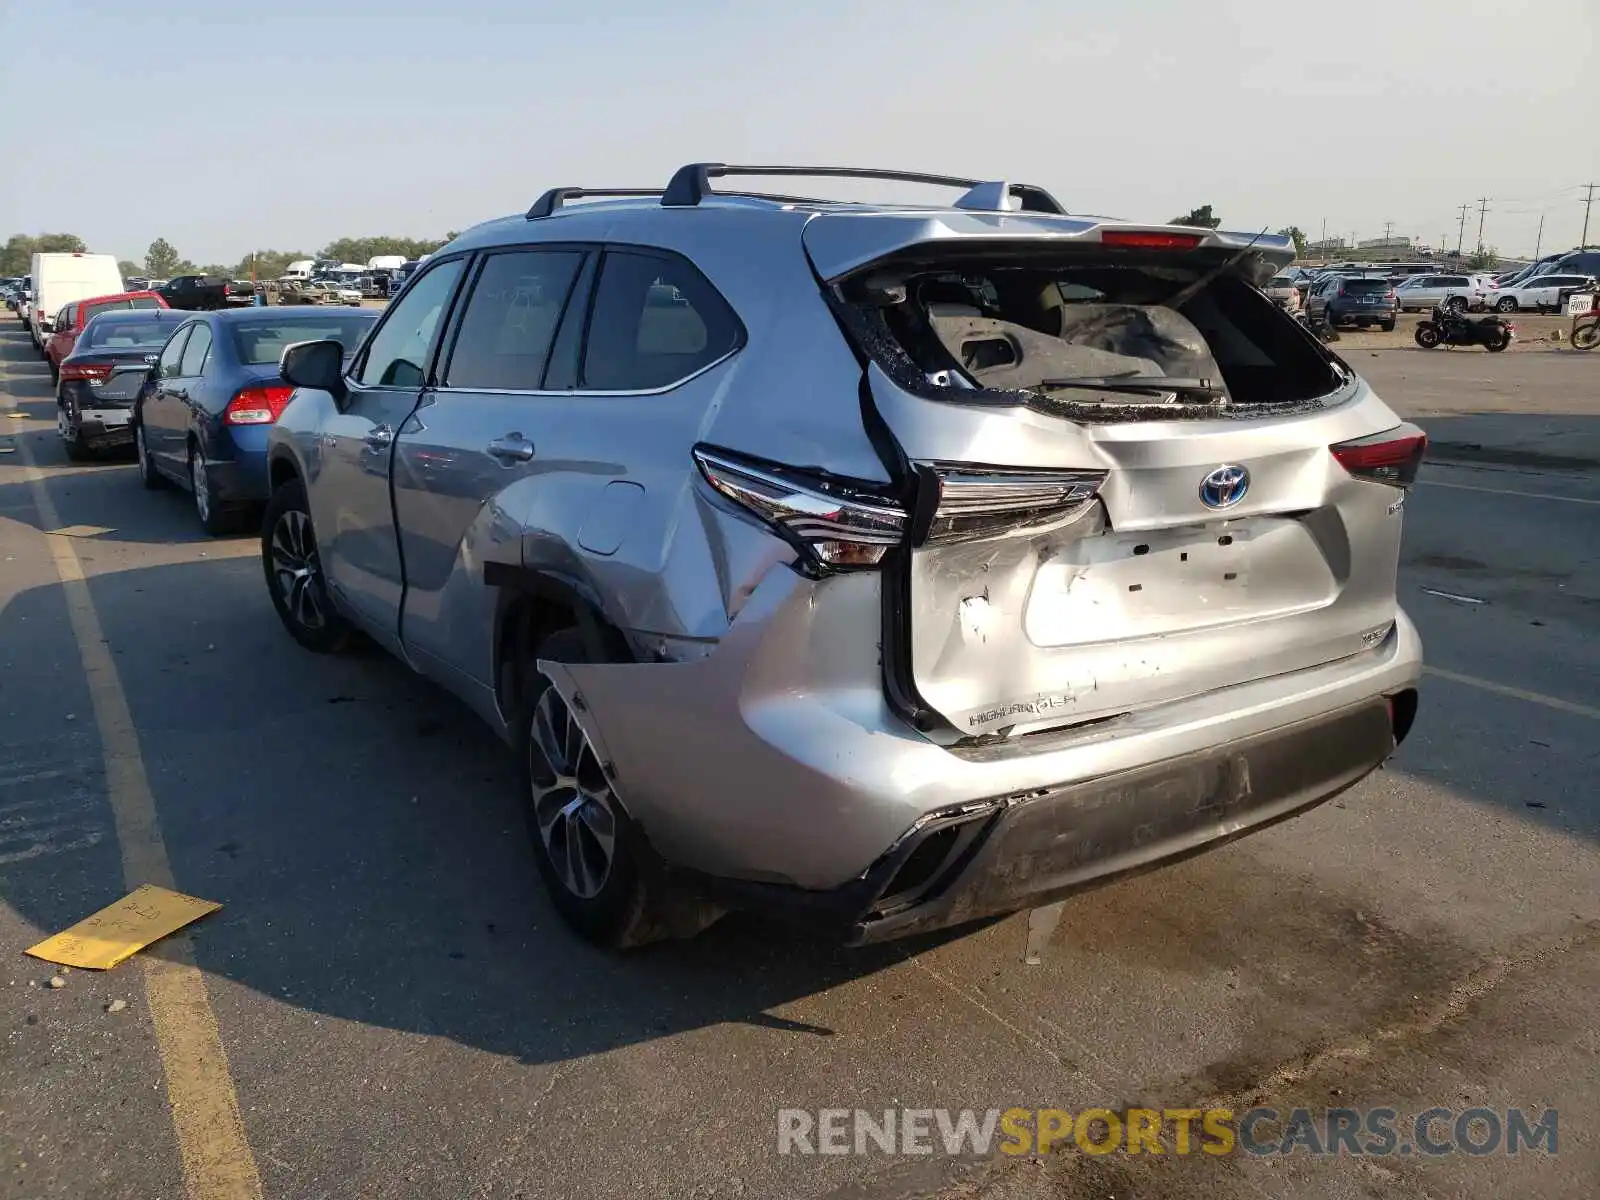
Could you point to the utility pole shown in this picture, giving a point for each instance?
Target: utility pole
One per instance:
(1584, 240)
(1388, 228)
(1461, 227)
(1539, 241)
(1483, 211)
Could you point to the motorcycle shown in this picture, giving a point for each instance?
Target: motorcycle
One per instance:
(1451, 328)
(1586, 336)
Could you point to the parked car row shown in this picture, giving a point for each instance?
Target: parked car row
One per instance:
(191, 394)
(1542, 286)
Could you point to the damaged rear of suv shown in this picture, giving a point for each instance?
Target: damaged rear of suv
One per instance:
(995, 552)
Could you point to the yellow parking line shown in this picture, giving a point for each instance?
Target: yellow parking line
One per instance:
(217, 1163)
(1489, 685)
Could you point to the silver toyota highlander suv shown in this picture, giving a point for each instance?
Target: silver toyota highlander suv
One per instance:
(896, 566)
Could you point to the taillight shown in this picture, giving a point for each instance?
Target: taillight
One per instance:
(91, 373)
(836, 524)
(257, 405)
(840, 524)
(1143, 240)
(1393, 456)
(983, 502)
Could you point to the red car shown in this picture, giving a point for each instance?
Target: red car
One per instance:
(76, 315)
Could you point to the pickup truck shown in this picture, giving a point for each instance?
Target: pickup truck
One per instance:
(198, 293)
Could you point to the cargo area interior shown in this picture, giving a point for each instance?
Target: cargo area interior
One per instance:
(1096, 332)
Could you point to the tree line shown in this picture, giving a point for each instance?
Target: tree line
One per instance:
(162, 259)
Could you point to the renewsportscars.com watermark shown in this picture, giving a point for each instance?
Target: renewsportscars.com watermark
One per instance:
(1377, 1132)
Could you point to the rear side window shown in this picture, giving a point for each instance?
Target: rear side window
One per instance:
(511, 318)
(656, 321)
(197, 351)
(172, 355)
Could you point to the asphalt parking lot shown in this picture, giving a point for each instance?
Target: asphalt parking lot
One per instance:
(402, 1014)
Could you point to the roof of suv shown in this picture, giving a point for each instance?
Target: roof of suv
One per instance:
(857, 231)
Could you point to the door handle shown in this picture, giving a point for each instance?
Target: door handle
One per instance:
(379, 436)
(511, 448)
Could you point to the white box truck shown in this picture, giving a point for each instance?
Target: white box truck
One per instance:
(59, 279)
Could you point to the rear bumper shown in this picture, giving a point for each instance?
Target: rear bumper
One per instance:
(772, 767)
(105, 427)
(1355, 316)
(1021, 852)
(241, 479)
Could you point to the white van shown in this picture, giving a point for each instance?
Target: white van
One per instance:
(299, 269)
(59, 279)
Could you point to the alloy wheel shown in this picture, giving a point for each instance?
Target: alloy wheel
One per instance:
(572, 798)
(296, 569)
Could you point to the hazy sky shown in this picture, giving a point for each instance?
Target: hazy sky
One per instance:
(286, 123)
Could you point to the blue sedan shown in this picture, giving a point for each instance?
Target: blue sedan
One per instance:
(202, 416)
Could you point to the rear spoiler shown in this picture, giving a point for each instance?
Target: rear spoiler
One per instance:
(840, 244)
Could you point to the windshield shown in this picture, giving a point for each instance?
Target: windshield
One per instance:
(262, 343)
(1366, 287)
(114, 333)
(1282, 281)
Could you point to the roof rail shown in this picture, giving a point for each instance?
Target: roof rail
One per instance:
(692, 183)
(556, 197)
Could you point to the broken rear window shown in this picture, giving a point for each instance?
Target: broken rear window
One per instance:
(1090, 332)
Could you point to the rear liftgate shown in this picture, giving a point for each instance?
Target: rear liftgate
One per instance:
(1065, 554)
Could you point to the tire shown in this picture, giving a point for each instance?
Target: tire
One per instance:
(1456, 304)
(216, 519)
(1427, 335)
(71, 441)
(616, 896)
(1499, 342)
(1506, 304)
(1586, 337)
(55, 374)
(289, 548)
(152, 479)
(1387, 326)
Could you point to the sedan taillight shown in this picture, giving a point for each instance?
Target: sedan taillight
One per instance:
(91, 373)
(257, 405)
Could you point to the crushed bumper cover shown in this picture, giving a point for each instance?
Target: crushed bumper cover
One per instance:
(999, 856)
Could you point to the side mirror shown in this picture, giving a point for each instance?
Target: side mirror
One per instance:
(47, 324)
(318, 365)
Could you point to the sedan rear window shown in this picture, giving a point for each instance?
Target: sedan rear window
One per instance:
(112, 334)
(262, 343)
(1366, 287)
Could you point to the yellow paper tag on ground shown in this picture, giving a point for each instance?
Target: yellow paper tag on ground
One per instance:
(120, 930)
